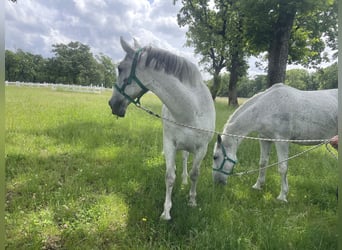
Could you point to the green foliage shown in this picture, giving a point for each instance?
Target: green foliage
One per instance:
(297, 78)
(78, 178)
(106, 69)
(224, 32)
(73, 64)
(313, 19)
(249, 87)
(24, 66)
(216, 33)
(327, 77)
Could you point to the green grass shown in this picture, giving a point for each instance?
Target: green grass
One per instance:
(78, 178)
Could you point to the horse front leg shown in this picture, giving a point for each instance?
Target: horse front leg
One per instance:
(282, 153)
(170, 176)
(194, 173)
(185, 168)
(265, 147)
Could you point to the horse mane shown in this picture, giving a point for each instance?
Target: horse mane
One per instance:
(172, 64)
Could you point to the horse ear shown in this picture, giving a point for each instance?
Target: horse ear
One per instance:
(126, 47)
(136, 44)
(219, 139)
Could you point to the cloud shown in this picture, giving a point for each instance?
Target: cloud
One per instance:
(35, 25)
(54, 36)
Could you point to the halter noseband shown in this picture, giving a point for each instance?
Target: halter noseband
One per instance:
(225, 158)
(132, 77)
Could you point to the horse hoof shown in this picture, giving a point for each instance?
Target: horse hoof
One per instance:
(282, 198)
(257, 186)
(192, 204)
(165, 216)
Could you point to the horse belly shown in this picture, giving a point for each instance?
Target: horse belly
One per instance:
(308, 122)
(314, 129)
(318, 120)
(188, 137)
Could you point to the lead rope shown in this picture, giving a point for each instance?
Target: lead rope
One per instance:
(322, 141)
(332, 153)
(279, 162)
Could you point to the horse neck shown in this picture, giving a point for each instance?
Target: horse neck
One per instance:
(231, 143)
(234, 131)
(181, 99)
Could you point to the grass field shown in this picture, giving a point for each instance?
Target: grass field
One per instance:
(78, 178)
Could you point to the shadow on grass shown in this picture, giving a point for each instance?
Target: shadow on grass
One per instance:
(71, 183)
(106, 190)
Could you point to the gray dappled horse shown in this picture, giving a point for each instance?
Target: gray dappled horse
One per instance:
(280, 112)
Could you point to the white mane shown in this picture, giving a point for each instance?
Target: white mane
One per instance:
(178, 66)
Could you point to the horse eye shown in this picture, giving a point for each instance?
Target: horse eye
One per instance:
(215, 157)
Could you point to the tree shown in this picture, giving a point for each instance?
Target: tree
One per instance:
(11, 63)
(107, 70)
(75, 63)
(298, 78)
(290, 31)
(210, 30)
(23, 66)
(327, 78)
(249, 87)
(224, 80)
(224, 87)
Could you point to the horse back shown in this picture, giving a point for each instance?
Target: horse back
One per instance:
(286, 112)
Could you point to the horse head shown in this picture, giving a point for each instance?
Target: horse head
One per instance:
(223, 162)
(128, 87)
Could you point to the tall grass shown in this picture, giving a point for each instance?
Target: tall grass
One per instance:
(78, 178)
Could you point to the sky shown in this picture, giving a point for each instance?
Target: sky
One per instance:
(35, 25)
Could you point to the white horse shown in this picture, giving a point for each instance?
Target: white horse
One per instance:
(280, 112)
(187, 100)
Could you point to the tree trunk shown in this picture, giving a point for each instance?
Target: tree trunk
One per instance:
(234, 77)
(279, 46)
(216, 84)
(237, 67)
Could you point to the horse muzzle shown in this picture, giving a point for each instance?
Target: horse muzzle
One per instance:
(118, 108)
(219, 179)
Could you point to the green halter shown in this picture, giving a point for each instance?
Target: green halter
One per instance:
(225, 158)
(132, 77)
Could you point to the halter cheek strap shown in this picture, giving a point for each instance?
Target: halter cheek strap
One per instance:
(225, 158)
(132, 77)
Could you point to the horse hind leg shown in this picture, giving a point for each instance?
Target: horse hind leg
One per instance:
(194, 173)
(283, 152)
(265, 147)
(185, 168)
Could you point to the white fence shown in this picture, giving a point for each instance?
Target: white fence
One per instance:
(63, 87)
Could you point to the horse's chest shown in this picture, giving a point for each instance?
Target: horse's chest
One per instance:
(186, 139)
(187, 143)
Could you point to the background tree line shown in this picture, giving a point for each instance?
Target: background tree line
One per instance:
(71, 64)
(225, 33)
(325, 78)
